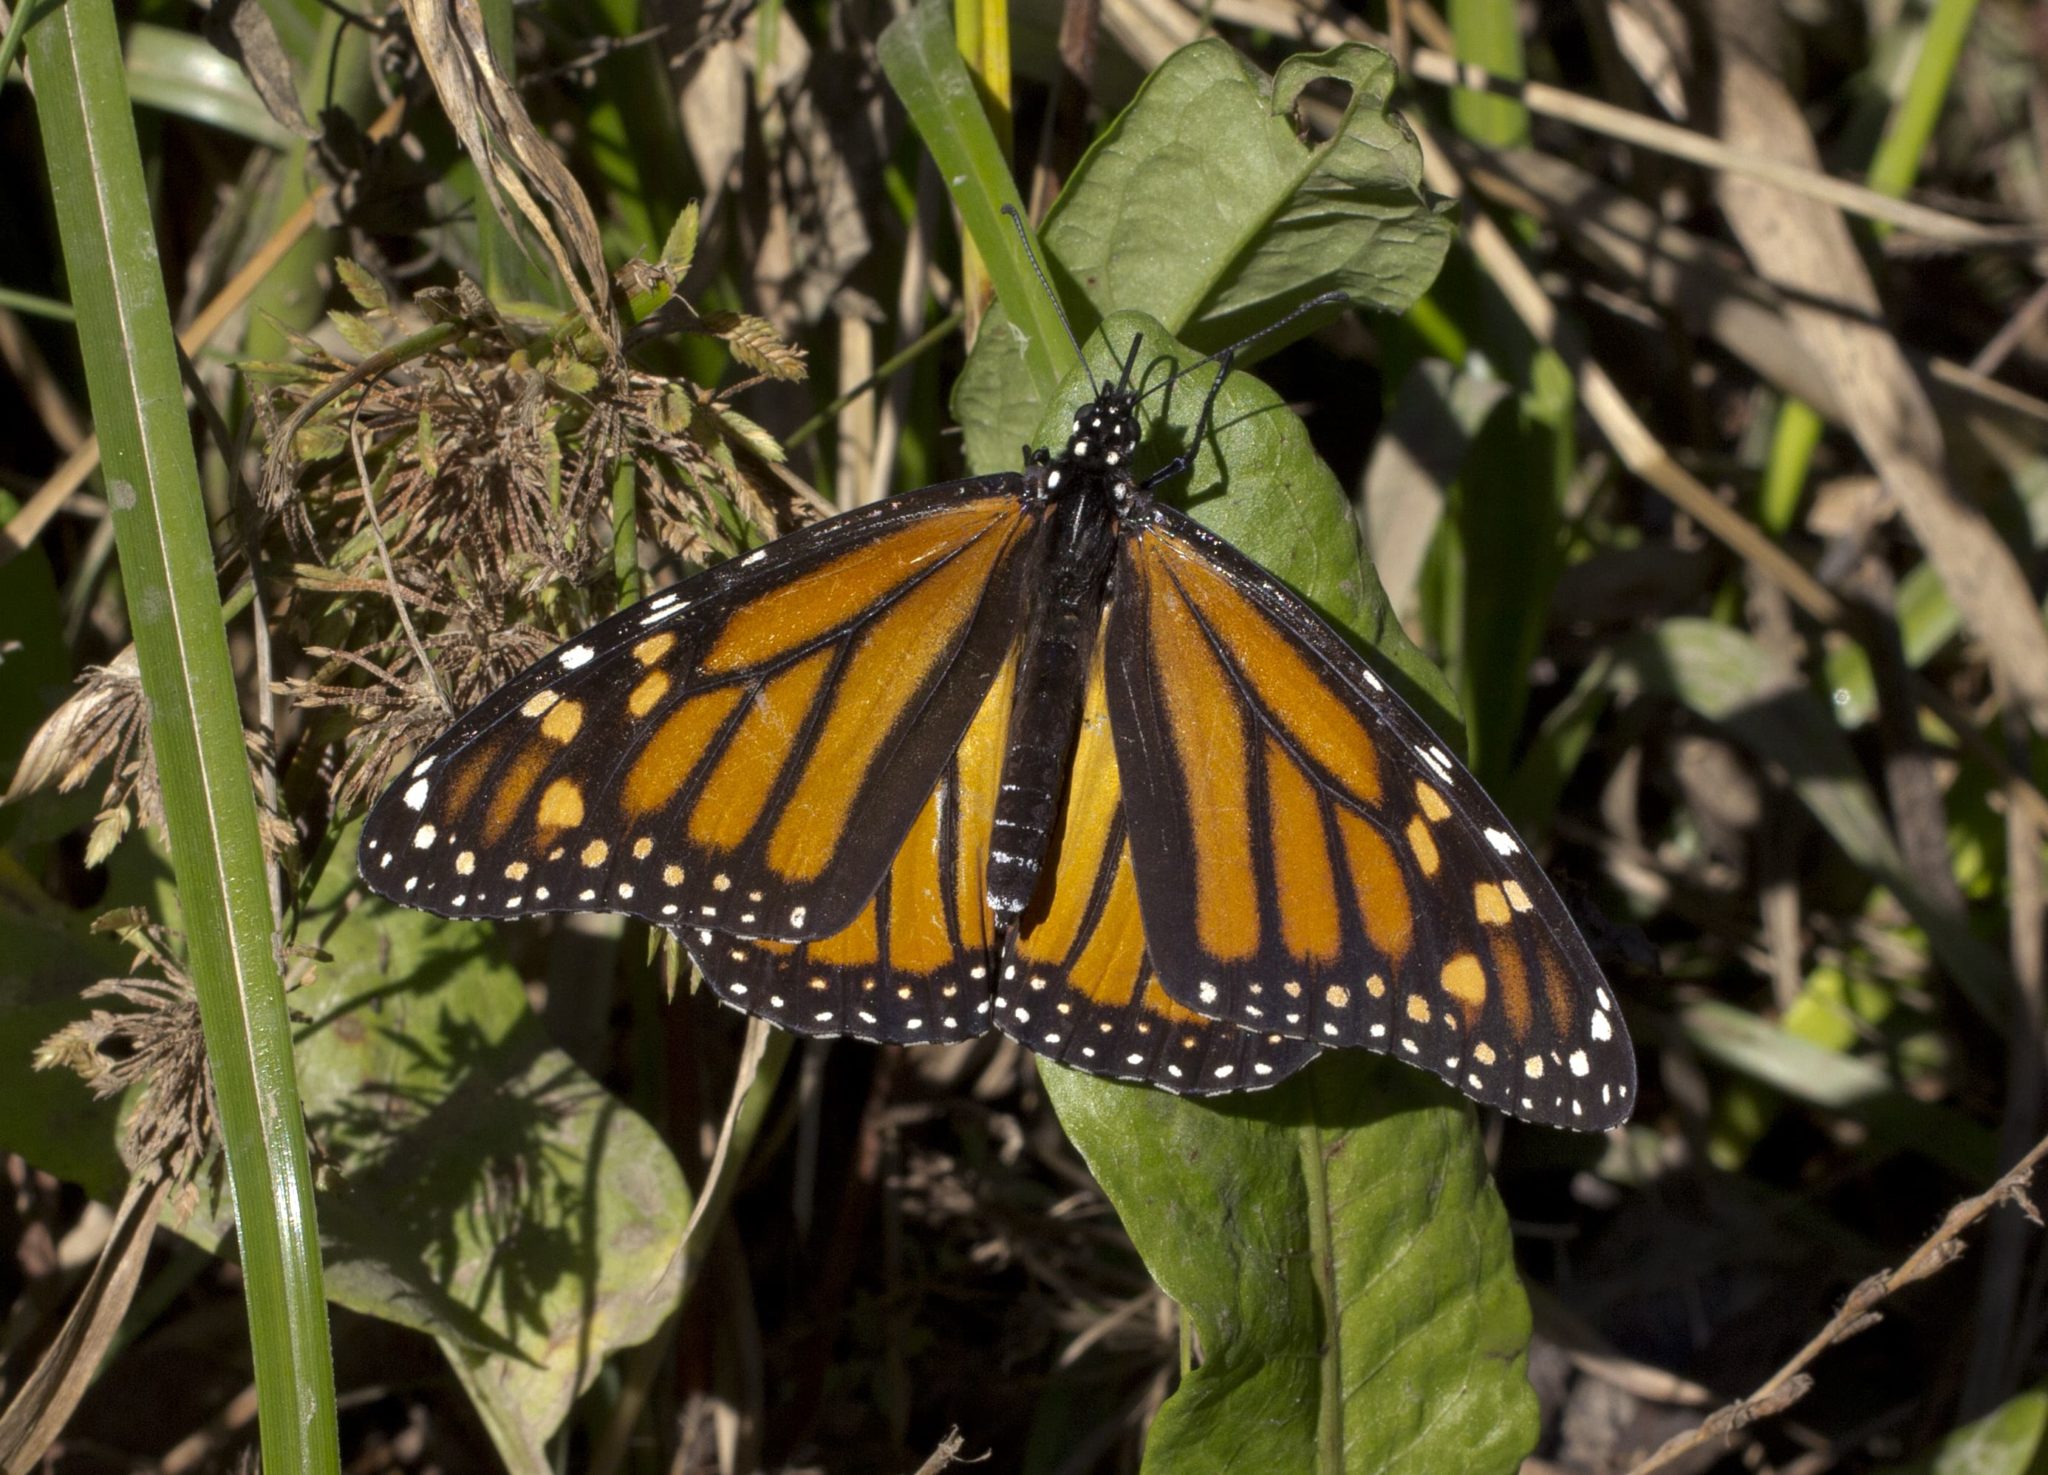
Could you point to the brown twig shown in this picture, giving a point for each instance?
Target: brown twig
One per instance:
(1790, 1382)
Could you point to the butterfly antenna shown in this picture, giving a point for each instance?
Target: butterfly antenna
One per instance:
(1024, 238)
(1182, 464)
(1324, 300)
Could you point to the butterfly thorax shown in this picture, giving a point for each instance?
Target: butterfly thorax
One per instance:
(1089, 484)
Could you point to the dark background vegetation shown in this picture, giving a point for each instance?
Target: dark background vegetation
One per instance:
(1766, 686)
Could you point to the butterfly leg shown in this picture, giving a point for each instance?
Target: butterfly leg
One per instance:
(1183, 463)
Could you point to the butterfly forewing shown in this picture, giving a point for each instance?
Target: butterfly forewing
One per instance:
(745, 750)
(916, 965)
(1078, 985)
(1312, 861)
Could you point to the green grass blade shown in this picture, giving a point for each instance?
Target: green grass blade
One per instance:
(167, 567)
(935, 87)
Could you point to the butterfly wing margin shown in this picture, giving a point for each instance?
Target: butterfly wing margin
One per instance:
(760, 736)
(1078, 984)
(1310, 859)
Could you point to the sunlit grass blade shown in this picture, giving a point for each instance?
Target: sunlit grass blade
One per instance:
(102, 208)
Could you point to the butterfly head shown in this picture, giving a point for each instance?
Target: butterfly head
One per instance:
(1105, 434)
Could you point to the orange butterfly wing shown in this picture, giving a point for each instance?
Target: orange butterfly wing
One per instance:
(1078, 983)
(1311, 860)
(769, 729)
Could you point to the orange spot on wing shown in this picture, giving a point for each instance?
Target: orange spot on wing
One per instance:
(468, 778)
(737, 791)
(918, 939)
(1424, 845)
(858, 945)
(1464, 979)
(838, 592)
(563, 721)
(509, 797)
(652, 688)
(654, 647)
(1208, 731)
(1381, 889)
(1107, 970)
(675, 750)
(1295, 690)
(1490, 904)
(1513, 976)
(561, 806)
(1157, 1001)
(1309, 922)
(889, 667)
(1434, 806)
(1557, 988)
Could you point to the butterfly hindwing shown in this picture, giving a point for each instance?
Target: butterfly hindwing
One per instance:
(744, 750)
(1078, 984)
(916, 965)
(1311, 860)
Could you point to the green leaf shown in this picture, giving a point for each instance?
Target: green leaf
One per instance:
(2010, 1440)
(1346, 1264)
(482, 1187)
(368, 292)
(1201, 206)
(1862, 1090)
(680, 249)
(477, 1185)
(186, 76)
(1488, 34)
(46, 961)
(1352, 1285)
(1509, 499)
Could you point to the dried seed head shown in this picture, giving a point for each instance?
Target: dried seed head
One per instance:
(156, 1043)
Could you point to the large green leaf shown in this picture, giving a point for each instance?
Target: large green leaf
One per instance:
(477, 1184)
(485, 1189)
(1336, 1242)
(1201, 206)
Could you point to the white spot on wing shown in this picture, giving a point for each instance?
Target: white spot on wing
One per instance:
(1502, 841)
(575, 656)
(416, 796)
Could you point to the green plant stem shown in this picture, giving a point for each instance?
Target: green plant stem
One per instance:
(905, 356)
(167, 566)
(1911, 125)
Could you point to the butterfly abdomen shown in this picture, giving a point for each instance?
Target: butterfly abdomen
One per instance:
(1052, 679)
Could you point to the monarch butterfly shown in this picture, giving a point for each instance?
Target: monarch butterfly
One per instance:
(1032, 748)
